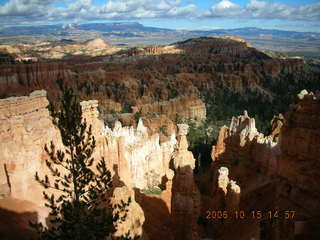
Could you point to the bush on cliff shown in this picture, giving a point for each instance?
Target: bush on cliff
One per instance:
(78, 206)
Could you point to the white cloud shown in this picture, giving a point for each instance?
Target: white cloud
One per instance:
(223, 7)
(224, 4)
(35, 11)
(264, 10)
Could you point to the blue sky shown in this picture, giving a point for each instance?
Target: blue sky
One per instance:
(298, 15)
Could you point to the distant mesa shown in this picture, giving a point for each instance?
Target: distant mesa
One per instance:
(97, 43)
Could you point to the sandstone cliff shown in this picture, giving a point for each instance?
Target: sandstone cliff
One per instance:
(241, 144)
(279, 174)
(135, 158)
(299, 160)
(185, 107)
(139, 160)
(25, 127)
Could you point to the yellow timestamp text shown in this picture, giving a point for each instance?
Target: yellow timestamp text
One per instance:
(253, 214)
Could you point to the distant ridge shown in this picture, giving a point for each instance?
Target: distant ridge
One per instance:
(136, 34)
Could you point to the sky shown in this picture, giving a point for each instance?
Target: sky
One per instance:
(295, 15)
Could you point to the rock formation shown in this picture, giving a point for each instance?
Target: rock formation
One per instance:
(230, 189)
(141, 161)
(4, 185)
(277, 175)
(166, 194)
(185, 194)
(300, 151)
(242, 144)
(25, 127)
(157, 81)
(135, 158)
(131, 227)
(189, 108)
(276, 125)
(224, 193)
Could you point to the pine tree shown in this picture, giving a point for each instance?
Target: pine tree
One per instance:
(79, 207)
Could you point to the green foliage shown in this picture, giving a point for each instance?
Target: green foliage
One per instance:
(164, 130)
(180, 120)
(312, 67)
(79, 207)
(172, 91)
(137, 116)
(113, 112)
(151, 116)
(126, 108)
(201, 137)
(152, 191)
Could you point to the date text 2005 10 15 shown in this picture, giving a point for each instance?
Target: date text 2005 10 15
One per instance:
(254, 214)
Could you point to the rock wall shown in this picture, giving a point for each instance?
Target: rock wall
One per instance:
(20, 79)
(25, 127)
(242, 144)
(138, 159)
(300, 150)
(184, 107)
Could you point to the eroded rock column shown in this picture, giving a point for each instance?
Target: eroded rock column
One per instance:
(185, 195)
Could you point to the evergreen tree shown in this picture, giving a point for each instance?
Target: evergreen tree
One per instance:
(79, 206)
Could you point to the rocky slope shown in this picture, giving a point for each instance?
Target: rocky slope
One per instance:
(201, 67)
(287, 167)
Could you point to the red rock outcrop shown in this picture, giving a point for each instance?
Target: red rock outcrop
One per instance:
(288, 169)
(204, 64)
(185, 194)
(300, 151)
(166, 194)
(141, 160)
(241, 143)
(20, 79)
(276, 125)
(185, 107)
(230, 190)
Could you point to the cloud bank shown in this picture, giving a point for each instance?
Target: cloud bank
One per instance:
(264, 10)
(32, 11)
(50, 11)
